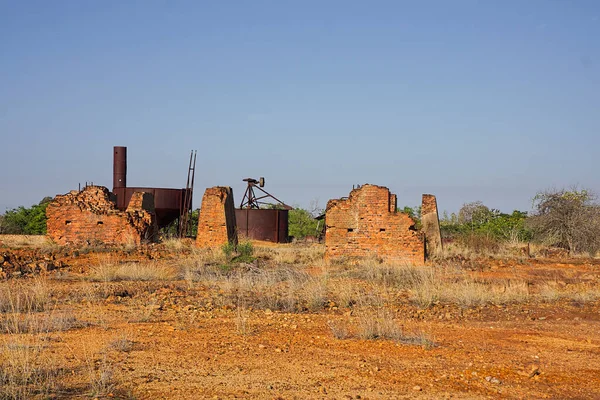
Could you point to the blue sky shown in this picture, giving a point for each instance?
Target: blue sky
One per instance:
(468, 100)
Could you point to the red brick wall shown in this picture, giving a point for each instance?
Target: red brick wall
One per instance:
(367, 225)
(216, 223)
(430, 222)
(90, 217)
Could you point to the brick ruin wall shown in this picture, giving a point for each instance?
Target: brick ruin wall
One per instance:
(366, 224)
(430, 222)
(216, 223)
(90, 216)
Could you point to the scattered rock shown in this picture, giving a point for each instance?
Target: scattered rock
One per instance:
(534, 370)
(417, 388)
(493, 380)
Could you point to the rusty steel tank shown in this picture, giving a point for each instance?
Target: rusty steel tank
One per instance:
(259, 220)
(168, 203)
(263, 224)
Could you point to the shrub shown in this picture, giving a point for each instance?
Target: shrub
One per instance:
(569, 219)
(228, 249)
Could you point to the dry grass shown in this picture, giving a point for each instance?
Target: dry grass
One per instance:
(26, 316)
(426, 285)
(24, 371)
(291, 254)
(178, 245)
(479, 247)
(29, 241)
(293, 288)
(391, 275)
(17, 323)
(101, 377)
(377, 324)
(467, 292)
(148, 271)
(27, 307)
(29, 296)
(583, 292)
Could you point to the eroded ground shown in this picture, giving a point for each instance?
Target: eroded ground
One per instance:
(173, 322)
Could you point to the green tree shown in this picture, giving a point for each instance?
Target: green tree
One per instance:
(475, 221)
(414, 213)
(26, 221)
(302, 223)
(172, 230)
(474, 214)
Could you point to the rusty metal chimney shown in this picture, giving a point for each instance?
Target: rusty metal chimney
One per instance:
(120, 167)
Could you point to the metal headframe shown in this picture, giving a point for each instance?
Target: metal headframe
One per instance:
(250, 200)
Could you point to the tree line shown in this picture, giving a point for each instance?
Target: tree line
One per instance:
(562, 218)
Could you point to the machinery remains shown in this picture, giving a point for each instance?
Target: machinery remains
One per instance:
(259, 219)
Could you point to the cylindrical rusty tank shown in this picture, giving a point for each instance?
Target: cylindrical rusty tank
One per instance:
(263, 224)
(120, 167)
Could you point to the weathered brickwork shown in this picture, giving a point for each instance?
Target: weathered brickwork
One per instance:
(216, 223)
(430, 222)
(366, 224)
(90, 216)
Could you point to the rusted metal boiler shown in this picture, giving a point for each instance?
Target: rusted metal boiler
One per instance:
(169, 204)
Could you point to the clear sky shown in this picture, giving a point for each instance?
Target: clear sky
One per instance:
(468, 100)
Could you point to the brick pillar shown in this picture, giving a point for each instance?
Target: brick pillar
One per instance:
(431, 225)
(216, 223)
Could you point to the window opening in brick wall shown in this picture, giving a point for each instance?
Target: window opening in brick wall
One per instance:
(67, 222)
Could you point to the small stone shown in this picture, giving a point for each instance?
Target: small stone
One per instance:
(417, 388)
(534, 370)
(495, 381)
(261, 346)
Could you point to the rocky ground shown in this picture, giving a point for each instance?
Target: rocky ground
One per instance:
(169, 321)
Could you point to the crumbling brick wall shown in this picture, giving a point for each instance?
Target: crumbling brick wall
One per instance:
(91, 216)
(367, 224)
(216, 223)
(430, 222)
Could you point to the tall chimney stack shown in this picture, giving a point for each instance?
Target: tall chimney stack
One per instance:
(120, 167)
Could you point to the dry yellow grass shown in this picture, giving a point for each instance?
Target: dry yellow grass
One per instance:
(28, 241)
(143, 271)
